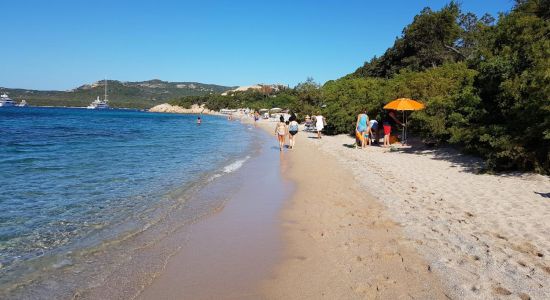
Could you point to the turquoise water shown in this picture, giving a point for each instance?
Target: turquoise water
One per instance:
(73, 179)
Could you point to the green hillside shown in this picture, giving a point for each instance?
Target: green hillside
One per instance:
(142, 94)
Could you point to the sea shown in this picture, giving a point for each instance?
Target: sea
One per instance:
(83, 192)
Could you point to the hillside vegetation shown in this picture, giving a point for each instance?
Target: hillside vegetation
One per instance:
(143, 94)
(485, 84)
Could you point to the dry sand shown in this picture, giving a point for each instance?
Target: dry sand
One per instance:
(486, 236)
(340, 243)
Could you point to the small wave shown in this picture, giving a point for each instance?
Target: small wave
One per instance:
(232, 167)
(235, 165)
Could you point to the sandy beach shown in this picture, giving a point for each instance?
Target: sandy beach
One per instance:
(174, 159)
(402, 223)
(340, 242)
(410, 223)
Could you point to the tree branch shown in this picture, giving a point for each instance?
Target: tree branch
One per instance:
(455, 50)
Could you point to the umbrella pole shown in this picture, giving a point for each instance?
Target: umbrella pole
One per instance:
(404, 137)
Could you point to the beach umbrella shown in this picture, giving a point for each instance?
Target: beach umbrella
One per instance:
(404, 104)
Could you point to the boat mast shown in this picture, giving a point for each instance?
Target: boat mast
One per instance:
(105, 97)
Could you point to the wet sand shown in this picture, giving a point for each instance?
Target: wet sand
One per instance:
(228, 254)
(322, 236)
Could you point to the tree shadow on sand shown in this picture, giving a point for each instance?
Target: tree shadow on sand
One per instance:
(351, 146)
(468, 163)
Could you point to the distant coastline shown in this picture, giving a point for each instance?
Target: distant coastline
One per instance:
(138, 94)
(175, 109)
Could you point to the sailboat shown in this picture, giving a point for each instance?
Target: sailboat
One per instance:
(98, 103)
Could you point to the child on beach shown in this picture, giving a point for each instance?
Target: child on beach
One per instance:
(389, 120)
(280, 132)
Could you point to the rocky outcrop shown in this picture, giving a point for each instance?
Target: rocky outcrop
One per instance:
(174, 109)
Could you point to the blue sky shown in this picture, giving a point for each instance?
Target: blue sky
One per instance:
(63, 44)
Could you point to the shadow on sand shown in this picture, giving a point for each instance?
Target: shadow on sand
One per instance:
(544, 195)
(351, 146)
(415, 146)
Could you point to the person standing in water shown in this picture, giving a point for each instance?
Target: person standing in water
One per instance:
(361, 126)
(280, 132)
(199, 121)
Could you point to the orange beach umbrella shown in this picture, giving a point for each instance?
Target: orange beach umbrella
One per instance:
(404, 104)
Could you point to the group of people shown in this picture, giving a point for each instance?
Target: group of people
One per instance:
(287, 128)
(367, 130)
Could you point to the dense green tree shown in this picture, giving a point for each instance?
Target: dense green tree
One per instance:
(485, 84)
(514, 84)
(429, 41)
(346, 98)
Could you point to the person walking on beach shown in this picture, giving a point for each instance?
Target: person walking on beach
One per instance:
(292, 131)
(389, 120)
(319, 124)
(362, 128)
(280, 132)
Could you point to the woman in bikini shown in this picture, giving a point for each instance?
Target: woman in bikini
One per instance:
(280, 132)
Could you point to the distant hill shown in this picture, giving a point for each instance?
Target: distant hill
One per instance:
(140, 94)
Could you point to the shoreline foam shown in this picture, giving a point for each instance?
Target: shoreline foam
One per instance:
(126, 245)
(227, 254)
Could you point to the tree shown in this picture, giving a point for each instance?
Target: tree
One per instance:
(429, 41)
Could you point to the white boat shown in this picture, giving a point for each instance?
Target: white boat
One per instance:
(98, 103)
(6, 101)
(23, 103)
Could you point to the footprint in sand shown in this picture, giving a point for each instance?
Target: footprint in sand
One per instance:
(498, 290)
(524, 296)
(527, 248)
